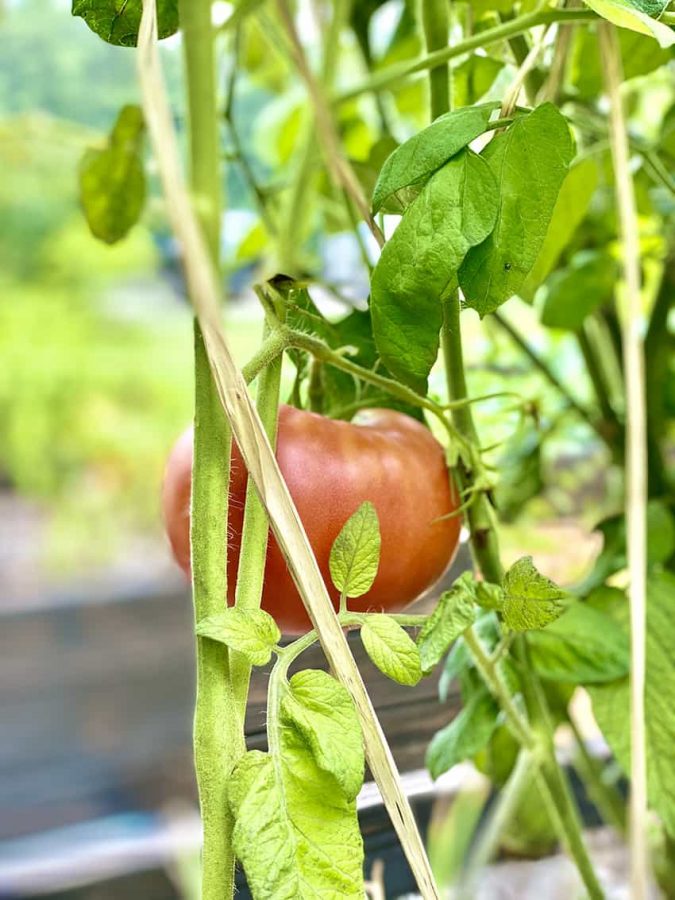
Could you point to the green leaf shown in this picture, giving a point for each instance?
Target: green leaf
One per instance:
(112, 180)
(118, 21)
(418, 265)
(323, 712)
(570, 209)
(473, 78)
(252, 632)
(612, 558)
(639, 56)
(391, 649)
(583, 646)
(414, 161)
(465, 736)
(530, 162)
(611, 702)
(530, 599)
(453, 614)
(573, 294)
(637, 16)
(355, 554)
(520, 471)
(296, 833)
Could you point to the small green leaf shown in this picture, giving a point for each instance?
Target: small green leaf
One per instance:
(637, 16)
(488, 596)
(530, 600)
(112, 180)
(453, 614)
(118, 21)
(465, 736)
(583, 646)
(355, 554)
(252, 632)
(418, 158)
(530, 162)
(570, 209)
(418, 265)
(391, 649)
(574, 293)
(323, 712)
(611, 702)
(295, 832)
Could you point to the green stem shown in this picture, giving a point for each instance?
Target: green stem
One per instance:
(609, 426)
(255, 529)
(218, 735)
(542, 366)
(391, 75)
(270, 349)
(435, 21)
(605, 797)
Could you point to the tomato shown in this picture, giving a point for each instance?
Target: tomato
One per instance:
(331, 467)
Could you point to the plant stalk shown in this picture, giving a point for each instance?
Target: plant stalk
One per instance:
(218, 735)
(636, 457)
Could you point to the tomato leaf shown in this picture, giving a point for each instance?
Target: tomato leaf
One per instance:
(637, 16)
(323, 712)
(355, 554)
(252, 632)
(530, 599)
(569, 211)
(574, 293)
(391, 649)
(465, 736)
(583, 646)
(112, 180)
(530, 162)
(611, 702)
(295, 832)
(414, 161)
(453, 614)
(118, 21)
(418, 265)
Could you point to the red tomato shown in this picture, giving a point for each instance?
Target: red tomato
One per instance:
(331, 467)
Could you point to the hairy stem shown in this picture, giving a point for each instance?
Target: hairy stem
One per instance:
(218, 734)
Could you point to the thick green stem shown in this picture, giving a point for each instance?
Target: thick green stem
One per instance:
(435, 23)
(218, 736)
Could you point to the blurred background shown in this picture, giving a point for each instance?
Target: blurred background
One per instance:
(96, 682)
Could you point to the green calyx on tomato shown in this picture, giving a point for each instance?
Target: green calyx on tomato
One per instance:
(331, 467)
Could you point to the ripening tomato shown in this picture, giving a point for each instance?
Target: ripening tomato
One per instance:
(331, 467)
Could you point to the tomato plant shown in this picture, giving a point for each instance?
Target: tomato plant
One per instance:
(513, 188)
(331, 467)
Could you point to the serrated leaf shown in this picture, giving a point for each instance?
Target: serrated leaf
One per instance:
(391, 649)
(530, 599)
(252, 632)
(574, 293)
(611, 703)
(637, 16)
(118, 21)
(418, 265)
(453, 614)
(465, 736)
(355, 554)
(530, 162)
(423, 154)
(570, 209)
(296, 833)
(112, 180)
(583, 646)
(323, 712)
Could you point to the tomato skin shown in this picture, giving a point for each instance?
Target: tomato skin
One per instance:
(331, 467)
